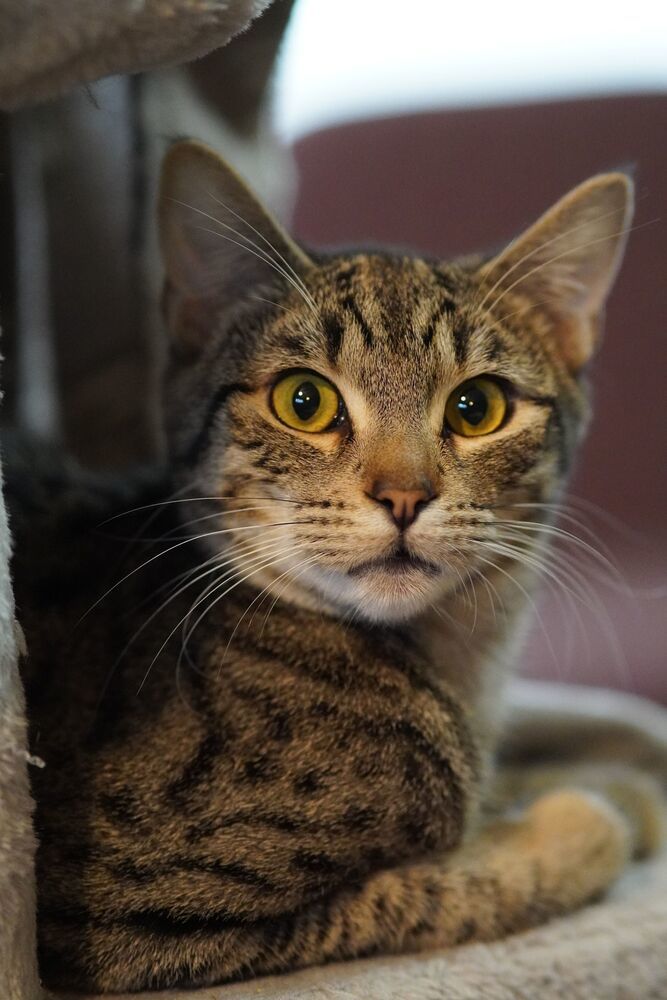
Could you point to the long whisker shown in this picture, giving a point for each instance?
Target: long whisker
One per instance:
(564, 511)
(209, 517)
(538, 249)
(528, 599)
(569, 582)
(260, 595)
(199, 573)
(255, 556)
(554, 532)
(168, 502)
(216, 586)
(306, 564)
(185, 541)
(257, 568)
(529, 559)
(561, 256)
(281, 257)
(218, 564)
(250, 247)
(292, 312)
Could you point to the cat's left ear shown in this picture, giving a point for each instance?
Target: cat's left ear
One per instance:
(565, 264)
(218, 242)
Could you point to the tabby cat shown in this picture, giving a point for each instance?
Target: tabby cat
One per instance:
(266, 745)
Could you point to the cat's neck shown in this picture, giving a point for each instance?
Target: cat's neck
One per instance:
(470, 639)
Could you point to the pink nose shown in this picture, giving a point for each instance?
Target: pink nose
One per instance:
(404, 505)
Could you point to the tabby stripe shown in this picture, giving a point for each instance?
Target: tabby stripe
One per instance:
(460, 339)
(121, 807)
(164, 923)
(352, 821)
(197, 770)
(317, 863)
(550, 401)
(334, 332)
(231, 870)
(338, 671)
(494, 347)
(366, 332)
(557, 427)
(344, 277)
(201, 441)
(157, 920)
(445, 281)
(394, 730)
(446, 308)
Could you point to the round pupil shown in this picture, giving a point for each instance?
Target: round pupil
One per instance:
(306, 401)
(472, 404)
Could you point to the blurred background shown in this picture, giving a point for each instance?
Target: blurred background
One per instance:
(345, 60)
(443, 128)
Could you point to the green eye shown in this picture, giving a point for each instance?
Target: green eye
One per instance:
(477, 407)
(305, 402)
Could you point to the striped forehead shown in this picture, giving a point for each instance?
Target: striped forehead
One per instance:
(398, 329)
(384, 319)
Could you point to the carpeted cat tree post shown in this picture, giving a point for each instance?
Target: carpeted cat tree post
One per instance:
(18, 971)
(47, 48)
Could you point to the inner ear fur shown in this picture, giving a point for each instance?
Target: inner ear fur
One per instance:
(565, 264)
(218, 242)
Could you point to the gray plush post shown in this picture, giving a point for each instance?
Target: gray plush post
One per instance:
(48, 47)
(18, 967)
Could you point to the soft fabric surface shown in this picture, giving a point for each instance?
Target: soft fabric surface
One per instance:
(614, 950)
(47, 46)
(17, 918)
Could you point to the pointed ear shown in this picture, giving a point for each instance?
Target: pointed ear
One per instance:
(566, 263)
(218, 242)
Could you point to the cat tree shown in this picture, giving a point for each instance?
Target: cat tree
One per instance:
(48, 48)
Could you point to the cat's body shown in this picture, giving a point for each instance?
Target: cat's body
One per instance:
(263, 772)
(283, 763)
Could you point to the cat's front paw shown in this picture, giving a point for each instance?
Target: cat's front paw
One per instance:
(579, 841)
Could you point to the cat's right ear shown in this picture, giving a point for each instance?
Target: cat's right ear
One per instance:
(218, 243)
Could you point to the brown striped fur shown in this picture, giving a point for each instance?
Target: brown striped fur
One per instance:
(300, 780)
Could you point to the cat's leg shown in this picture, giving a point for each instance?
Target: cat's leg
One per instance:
(565, 851)
(637, 794)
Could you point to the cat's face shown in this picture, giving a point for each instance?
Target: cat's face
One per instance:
(379, 430)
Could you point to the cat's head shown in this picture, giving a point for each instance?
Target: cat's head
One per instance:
(376, 429)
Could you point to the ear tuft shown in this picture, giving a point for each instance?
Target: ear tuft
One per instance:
(218, 242)
(566, 263)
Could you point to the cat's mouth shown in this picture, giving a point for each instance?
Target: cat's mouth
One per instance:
(399, 562)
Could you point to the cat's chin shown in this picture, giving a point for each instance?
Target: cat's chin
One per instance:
(382, 594)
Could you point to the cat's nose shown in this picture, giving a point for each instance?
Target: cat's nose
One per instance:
(404, 505)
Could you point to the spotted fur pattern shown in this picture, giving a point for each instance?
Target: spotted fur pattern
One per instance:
(286, 768)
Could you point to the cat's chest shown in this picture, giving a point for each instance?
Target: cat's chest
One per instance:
(303, 753)
(313, 734)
